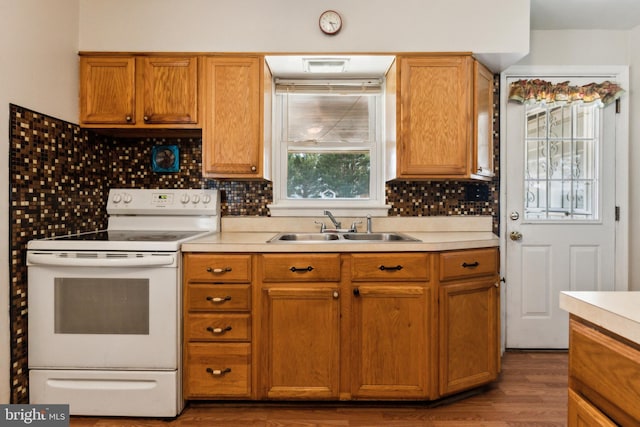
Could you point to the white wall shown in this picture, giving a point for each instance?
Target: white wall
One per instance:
(38, 47)
(596, 48)
(488, 26)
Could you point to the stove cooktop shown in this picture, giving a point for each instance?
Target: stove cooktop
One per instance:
(131, 236)
(129, 240)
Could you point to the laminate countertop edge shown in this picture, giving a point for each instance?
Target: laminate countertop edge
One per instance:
(256, 242)
(617, 312)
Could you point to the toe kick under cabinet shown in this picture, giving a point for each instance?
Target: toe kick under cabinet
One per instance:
(340, 326)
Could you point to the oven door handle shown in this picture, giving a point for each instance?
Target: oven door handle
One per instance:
(146, 261)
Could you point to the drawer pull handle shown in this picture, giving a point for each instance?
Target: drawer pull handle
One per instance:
(218, 372)
(396, 268)
(218, 270)
(303, 269)
(219, 331)
(218, 299)
(472, 265)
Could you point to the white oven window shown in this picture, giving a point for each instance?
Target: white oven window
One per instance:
(101, 306)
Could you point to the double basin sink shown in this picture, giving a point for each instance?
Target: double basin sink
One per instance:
(341, 237)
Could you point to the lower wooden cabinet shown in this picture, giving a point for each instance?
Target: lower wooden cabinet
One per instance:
(218, 370)
(340, 326)
(584, 414)
(300, 342)
(604, 377)
(469, 335)
(469, 322)
(391, 354)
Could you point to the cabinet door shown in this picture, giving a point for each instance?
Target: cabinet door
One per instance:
(301, 338)
(107, 90)
(584, 414)
(391, 355)
(435, 117)
(483, 115)
(469, 335)
(232, 143)
(170, 92)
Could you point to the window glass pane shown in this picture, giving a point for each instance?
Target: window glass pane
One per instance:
(561, 178)
(328, 118)
(328, 175)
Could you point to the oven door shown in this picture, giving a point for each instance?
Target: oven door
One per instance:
(89, 311)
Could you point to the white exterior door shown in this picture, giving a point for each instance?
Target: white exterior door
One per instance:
(559, 223)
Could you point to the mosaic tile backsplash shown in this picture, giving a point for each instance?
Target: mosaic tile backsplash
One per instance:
(60, 175)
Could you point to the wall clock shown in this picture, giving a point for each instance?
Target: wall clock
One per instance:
(165, 158)
(330, 22)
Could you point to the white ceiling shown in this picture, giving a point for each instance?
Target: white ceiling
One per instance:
(585, 14)
(545, 15)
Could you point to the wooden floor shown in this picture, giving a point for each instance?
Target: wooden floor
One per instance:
(531, 391)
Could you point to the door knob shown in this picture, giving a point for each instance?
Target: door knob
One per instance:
(515, 235)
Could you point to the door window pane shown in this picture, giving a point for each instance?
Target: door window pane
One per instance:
(561, 162)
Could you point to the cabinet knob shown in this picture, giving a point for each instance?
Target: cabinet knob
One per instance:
(128, 118)
(146, 118)
(253, 168)
(218, 270)
(218, 299)
(218, 331)
(336, 294)
(356, 292)
(218, 372)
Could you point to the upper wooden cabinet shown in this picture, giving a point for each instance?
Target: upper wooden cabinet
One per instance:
(237, 93)
(135, 91)
(482, 150)
(436, 118)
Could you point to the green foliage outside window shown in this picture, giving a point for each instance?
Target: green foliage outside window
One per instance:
(328, 175)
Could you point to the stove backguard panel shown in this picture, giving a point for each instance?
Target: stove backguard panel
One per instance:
(59, 180)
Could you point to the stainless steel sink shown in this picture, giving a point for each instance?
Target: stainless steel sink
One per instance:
(305, 237)
(379, 237)
(340, 237)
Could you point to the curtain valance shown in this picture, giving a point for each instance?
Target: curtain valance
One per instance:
(542, 91)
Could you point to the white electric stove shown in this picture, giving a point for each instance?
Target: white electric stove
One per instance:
(105, 306)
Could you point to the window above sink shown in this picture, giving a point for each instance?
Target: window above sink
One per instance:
(328, 135)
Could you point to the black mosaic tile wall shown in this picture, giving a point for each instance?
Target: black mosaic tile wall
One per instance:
(59, 180)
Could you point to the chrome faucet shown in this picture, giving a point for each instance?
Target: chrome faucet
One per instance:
(337, 224)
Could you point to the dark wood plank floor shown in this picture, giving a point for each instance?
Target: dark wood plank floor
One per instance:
(531, 391)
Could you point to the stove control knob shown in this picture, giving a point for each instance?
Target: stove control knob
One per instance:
(195, 199)
(184, 199)
(127, 198)
(117, 198)
(206, 199)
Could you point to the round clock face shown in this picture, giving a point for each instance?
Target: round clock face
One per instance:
(330, 22)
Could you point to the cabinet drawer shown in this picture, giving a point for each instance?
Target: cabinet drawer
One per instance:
(219, 297)
(217, 268)
(467, 264)
(218, 370)
(606, 372)
(390, 267)
(218, 327)
(301, 268)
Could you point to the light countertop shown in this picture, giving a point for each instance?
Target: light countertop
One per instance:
(618, 312)
(250, 234)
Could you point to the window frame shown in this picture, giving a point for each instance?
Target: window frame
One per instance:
(375, 205)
